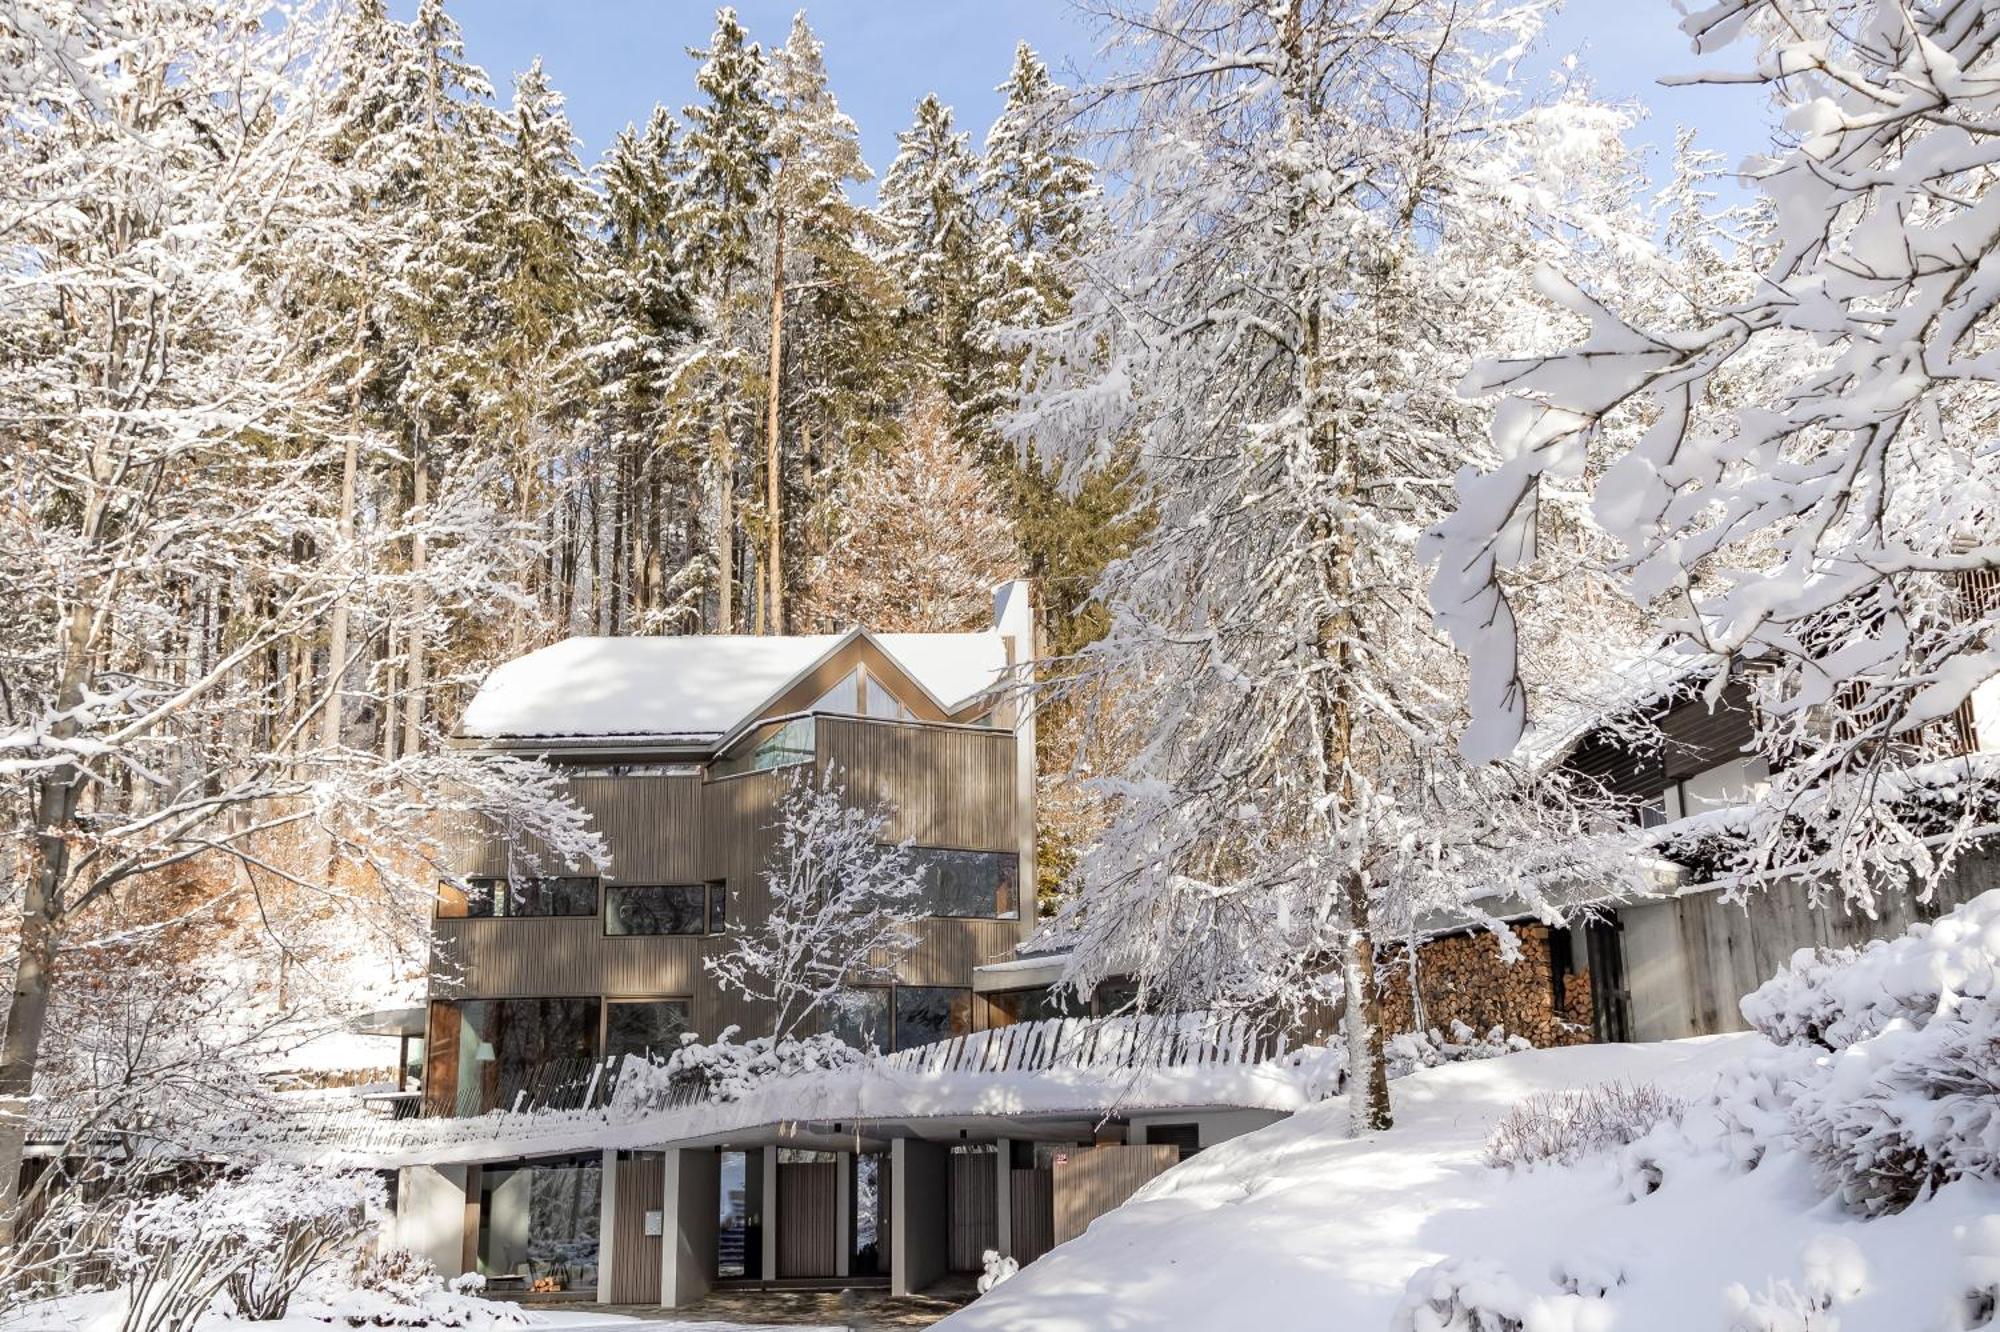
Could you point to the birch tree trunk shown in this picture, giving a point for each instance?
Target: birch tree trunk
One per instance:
(774, 560)
(413, 696)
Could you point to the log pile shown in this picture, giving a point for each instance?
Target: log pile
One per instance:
(1461, 977)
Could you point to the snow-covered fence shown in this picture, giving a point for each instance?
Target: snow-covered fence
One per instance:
(1069, 1065)
(1081, 1044)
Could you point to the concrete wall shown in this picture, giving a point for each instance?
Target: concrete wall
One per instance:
(430, 1215)
(687, 1250)
(919, 1215)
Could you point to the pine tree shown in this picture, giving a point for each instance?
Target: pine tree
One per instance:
(927, 204)
(729, 173)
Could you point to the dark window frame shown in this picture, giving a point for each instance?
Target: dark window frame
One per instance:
(1013, 858)
(701, 912)
(497, 884)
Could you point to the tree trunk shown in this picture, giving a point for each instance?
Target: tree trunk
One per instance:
(725, 534)
(1367, 1070)
(413, 698)
(774, 516)
(336, 657)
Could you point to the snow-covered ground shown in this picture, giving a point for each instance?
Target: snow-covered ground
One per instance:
(1302, 1226)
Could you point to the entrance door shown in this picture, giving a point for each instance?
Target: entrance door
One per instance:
(635, 1255)
(975, 1207)
(808, 1218)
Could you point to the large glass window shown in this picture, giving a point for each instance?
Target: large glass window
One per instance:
(861, 1018)
(519, 1051)
(1038, 1004)
(649, 1027)
(970, 883)
(655, 908)
(538, 1222)
(926, 1013)
(775, 745)
(522, 895)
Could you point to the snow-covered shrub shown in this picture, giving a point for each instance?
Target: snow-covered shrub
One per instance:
(1409, 1051)
(997, 1269)
(1832, 998)
(1888, 1075)
(1566, 1126)
(1835, 1270)
(403, 1289)
(258, 1234)
(1479, 1295)
(725, 1070)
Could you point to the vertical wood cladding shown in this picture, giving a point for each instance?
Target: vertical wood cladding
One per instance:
(1693, 738)
(808, 1218)
(635, 1255)
(947, 786)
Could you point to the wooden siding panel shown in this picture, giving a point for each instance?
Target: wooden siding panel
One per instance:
(973, 1204)
(808, 1218)
(1033, 1214)
(1096, 1179)
(635, 1255)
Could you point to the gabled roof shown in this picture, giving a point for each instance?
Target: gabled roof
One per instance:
(697, 688)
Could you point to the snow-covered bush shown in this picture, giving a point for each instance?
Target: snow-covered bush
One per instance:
(1566, 1126)
(1480, 1295)
(1888, 1075)
(725, 1070)
(1835, 1270)
(997, 1269)
(403, 1289)
(1979, 1307)
(1409, 1051)
(258, 1235)
(1834, 997)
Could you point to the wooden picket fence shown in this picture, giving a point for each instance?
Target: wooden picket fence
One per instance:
(1096, 1044)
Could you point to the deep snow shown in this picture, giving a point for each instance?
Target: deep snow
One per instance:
(1301, 1226)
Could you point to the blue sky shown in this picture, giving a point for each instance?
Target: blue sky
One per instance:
(614, 59)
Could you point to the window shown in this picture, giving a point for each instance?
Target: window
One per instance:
(970, 883)
(902, 1016)
(530, 895)
(539, 1221)
(861, 1018)
(882, 703)
(655, 908)
(718, 905)
(500, 1051)
(1185, 1137)
(776, 745)
(844, 698)
(926, 1013)
(1038, 1004)
(650, 1027)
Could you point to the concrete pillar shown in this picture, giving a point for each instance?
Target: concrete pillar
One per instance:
(689, 1208)
(843, 1211)
(607, 1224)
(770, 1268)
(430, 1215)
(1003, 1191)
(918, 1215)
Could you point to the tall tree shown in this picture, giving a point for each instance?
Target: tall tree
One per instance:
(815, 152)
(173, 553)
(1275, 325)
(729, 173)
(927, 203)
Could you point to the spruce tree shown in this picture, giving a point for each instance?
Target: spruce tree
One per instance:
(927, 203)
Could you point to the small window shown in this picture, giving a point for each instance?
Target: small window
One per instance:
(1184, 1137)
(718, 905)
(532, 895)
(927, 1013)
(649, 1027)
(970, 883)
(655, 908)
(844, 698)
(776, 745)
(882, 703)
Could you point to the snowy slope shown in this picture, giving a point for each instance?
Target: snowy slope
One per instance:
(1300, 1226)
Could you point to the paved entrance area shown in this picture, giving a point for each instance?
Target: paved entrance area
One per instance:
(795, 1310)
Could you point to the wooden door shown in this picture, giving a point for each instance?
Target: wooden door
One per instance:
(808, 1218)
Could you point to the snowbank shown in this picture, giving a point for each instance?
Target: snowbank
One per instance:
(1300, 1226)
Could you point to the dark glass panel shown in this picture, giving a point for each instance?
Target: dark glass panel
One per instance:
(654, 908)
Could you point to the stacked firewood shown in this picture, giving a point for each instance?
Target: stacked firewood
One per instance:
(1461, 977)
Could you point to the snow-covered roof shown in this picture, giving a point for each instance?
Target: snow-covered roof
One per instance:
(699, 687)
(1634, 682)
